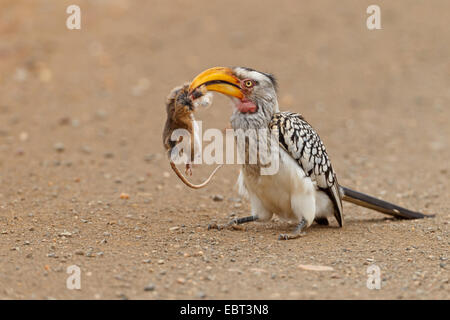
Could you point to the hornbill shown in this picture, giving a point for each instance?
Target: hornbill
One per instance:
(305, 188)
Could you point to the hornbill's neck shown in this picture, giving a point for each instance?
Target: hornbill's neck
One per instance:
(257, 120)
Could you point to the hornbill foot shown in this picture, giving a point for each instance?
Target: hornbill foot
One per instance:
(214, 225)
(233, 224)
(298, 232)
(290, 236)
(230, 225)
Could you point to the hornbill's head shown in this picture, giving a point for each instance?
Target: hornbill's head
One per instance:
(254, 93)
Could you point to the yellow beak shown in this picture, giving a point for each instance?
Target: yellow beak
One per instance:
(218, 79)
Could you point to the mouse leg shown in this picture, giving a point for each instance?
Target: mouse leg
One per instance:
(188, 169)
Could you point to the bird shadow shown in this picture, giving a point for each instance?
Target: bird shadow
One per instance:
(279, 225)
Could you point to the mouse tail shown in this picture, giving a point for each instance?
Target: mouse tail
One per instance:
(189, 184)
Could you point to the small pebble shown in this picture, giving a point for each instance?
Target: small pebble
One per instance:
(101, 114)
(59, 147)
(122, 296)
(149, 287)
(86, 150)
(65, 234)
(23, 136)
(217, 197)
(124, 196)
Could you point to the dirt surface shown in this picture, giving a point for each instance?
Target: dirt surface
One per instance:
(81, 117)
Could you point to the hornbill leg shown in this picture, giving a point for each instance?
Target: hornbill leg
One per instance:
(298, 232)
(244, 220)
(232, 223)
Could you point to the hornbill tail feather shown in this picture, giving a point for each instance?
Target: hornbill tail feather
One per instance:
(385, 207)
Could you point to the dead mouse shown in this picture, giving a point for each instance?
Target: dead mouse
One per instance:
(180, 107)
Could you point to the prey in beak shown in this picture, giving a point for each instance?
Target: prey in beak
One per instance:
(180, 116)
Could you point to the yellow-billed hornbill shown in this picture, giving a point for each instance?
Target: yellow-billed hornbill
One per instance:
(305, 188)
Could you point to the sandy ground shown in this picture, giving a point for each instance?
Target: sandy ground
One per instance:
(81, 116)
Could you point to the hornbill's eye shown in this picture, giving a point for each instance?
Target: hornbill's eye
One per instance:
(248, 83)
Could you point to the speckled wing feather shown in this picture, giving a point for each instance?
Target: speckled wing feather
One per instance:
(302, 142)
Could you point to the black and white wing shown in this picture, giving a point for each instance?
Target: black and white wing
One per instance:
(302, 142)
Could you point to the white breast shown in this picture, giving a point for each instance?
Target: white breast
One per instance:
(275, 191)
